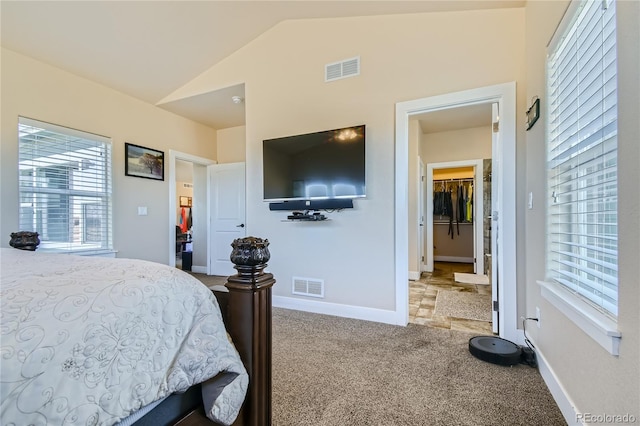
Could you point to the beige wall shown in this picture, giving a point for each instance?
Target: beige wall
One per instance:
(286, 95)
(39, 91)
(456, 145)
(231, 145)
(461, 245)
(594, 381)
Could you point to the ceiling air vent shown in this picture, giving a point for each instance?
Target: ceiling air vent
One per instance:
(313, 287)
(343, 69)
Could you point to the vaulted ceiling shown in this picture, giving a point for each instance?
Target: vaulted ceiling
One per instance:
(148, 49)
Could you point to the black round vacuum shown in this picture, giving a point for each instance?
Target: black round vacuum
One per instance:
(495, 350)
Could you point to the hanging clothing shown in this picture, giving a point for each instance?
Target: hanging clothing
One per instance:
(189, 220)
(448, 211)
(437, 203)
(442, 203)
(469, 203)
(183, 221)
(461, 203)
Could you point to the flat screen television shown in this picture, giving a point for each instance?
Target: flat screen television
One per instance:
(315, 166)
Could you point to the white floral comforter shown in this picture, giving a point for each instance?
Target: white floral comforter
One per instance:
(88, 341)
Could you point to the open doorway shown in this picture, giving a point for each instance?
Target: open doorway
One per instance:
(453, 290)
(455, 204)
(503, 206)
(199, 210)
(183, 216)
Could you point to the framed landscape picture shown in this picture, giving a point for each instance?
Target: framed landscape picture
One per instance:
(143, 162)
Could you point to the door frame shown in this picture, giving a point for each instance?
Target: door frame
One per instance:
(422, 211)
(505, 95)
(173, 156)
(478, 213)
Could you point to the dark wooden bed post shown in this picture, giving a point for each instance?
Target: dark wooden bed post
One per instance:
(249, 317)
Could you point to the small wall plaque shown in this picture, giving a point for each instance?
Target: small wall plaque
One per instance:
(533, 113)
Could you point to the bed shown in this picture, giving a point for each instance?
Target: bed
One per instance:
(90, 340)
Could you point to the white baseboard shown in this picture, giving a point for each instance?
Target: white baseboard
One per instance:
(199, 269)
(335, 309)
(414, 275)
(457, 259)
(559, 393)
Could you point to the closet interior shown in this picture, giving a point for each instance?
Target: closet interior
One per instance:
(453, 216)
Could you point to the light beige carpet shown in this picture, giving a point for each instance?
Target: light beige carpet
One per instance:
(466, 305)
(330, 371)
(462, 277)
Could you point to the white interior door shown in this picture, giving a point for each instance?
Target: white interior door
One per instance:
(421, 198)
(477, 254)
(495, 195)
(227, 189)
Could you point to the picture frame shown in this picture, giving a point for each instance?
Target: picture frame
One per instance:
(533, 113)
(185, 201)
(143, 162)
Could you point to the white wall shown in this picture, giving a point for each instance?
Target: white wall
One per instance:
(286, 95)
(39, 91)
(590, 379)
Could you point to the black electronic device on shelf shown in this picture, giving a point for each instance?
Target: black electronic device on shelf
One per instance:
(334, 204)
(306, 216)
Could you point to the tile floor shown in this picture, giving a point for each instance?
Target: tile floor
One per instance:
(422, 298)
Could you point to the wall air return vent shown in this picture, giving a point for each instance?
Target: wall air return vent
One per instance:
(343, 69)
(313, 287)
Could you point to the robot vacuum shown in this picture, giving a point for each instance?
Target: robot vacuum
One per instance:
(495, 350)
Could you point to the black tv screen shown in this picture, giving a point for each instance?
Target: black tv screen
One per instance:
(321, 165)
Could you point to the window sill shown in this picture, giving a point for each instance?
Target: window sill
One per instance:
(597, 325)
(98, 253)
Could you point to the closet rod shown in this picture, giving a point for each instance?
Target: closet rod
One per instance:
(454, 180)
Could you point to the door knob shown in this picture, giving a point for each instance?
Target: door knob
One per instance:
(240, 226)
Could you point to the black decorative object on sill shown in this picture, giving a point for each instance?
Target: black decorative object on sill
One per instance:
(24, 240)
(250, 252)
(533, 113)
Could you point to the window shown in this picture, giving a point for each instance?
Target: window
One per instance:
(65, 187)
(582, 242)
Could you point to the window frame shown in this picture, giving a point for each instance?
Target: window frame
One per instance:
(599, 323)
(97, 188)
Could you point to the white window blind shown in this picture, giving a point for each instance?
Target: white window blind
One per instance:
(65, 187)
(582, 241)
